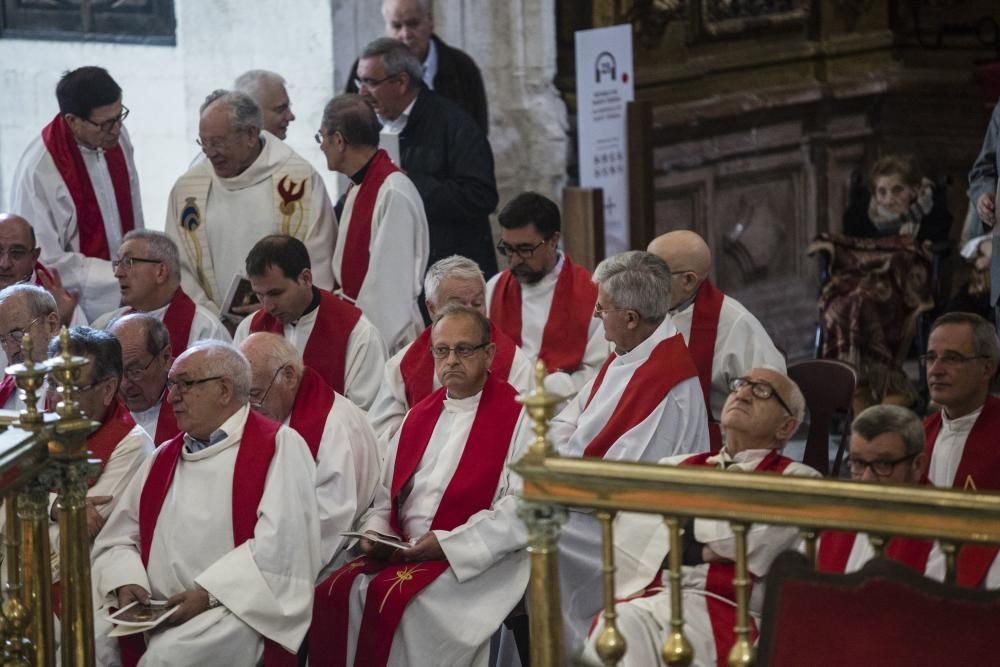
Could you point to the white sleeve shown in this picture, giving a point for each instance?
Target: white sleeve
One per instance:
(322, 234)
(125, 460)
(389, 408)
(366, 357)
(208, 327)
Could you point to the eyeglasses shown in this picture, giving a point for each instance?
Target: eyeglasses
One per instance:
(881, 468)
(759, 389)
(257, 402)
(371, 84)
(318, 137)
(462, 351)
(134, 374)
(522, 251)
(129, 261)
(15, 336)
(108, 125)
(184, 386)
(216, 143)
(601, 312)
(15, 254)
(948, 358)
(52, 387)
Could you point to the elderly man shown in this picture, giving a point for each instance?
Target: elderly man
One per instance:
(382, 245)
(645, 404)
(148, 270)
(763, 411)
(409, 374)
(442, 150)
(544, 301)
(887, 447)
(447, 491)
(25, 309)
(728, 339)
(237, 560)
(268, 90)
(251, 185)
(146, 357)
(335, 338)
(961, 359)
(78, 186)
(446, 70)
(336, 431)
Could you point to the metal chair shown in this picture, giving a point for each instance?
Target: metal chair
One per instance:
(828, 387)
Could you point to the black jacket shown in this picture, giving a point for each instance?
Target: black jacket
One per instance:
(449, 159)
(457, 78)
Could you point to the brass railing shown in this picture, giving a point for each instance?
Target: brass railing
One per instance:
(43, 453)
(551, 484)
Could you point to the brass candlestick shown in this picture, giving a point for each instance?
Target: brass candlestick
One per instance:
(29, 378)
(540, 405)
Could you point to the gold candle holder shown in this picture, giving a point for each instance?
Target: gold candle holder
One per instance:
(29, 378)
(540, 406)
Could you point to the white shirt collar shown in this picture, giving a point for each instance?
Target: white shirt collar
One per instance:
(961, 424)
(398, 124)
(431, 64)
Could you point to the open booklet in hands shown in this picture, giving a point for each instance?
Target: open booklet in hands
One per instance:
(136, 617)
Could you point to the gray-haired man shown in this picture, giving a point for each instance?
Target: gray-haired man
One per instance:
(25, 309)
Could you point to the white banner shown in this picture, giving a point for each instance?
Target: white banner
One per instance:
(604, 87)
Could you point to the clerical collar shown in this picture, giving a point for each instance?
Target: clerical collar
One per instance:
(683, 305)
(960, 424)
(359, 175)
(313, 305)
(431, 64)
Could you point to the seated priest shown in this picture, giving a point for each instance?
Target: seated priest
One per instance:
(763, 411)
(146, 355)
(25, 309)
(148, 269)
(340, 440)
(409, 375)
(237, 560)
(334, 338)
(448, 493)
(645, 404)
(543, 301)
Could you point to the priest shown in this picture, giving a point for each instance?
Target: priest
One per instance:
(251, 184)
(382, 245)
(78, 185)
(336, 431)
(763, 411)
(544, 301)
(334, 337)
(447, 492)
(237, 560)
(644, 404)
(409, 375)
(25, 309)
(146, 356)
(724, 338)
(148, 270)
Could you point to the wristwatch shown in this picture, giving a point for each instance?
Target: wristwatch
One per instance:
(213, 601)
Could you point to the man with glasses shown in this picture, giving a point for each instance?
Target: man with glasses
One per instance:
(961, 359)
(644, 404)
(334, 338)
(251, 185)
(727, 340)
(544, 301)
(148, 270)
(409, 375)
(25, 309)
(78, 186)
(449, 493)
(763, 410)
(382, 244)
(342, 443)
(221, 523)
(146, 355)
(442, 150)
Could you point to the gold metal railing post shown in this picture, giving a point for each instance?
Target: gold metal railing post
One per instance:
(610, 644)
(809, 536)
(677, 651)
(36, 582)
(12, 539)
(950, 551)
(742, 652)
(544, 600)
(878, 544)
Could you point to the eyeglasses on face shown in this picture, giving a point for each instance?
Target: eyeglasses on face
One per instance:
(134, 373)
(372, 84)
(15, 336)
(184, 386)
(129, 261)
(951, 359)
(882, 468)
(759, 389)
(462, 350)
(15, 253)
(522, 251)
(109, 124)
(256, 398)
(601, 312)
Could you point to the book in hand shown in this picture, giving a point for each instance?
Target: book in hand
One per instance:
(239, 294)
(381, 539)
(134, 618)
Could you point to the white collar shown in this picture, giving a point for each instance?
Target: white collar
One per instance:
(961, 424)
(431, 64)
(398, 124)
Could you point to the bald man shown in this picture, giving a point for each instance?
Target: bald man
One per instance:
(342, 443)
(729, 339)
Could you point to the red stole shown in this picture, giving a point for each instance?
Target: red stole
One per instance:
(835, 547)
(357, 251)
(42, 271)
(417, 364)
(166, 422)
(117, 423)
(253, 460)
(566, 332)
(701, 344)
(719, 578)
(62, 146)
(326, 350)
(668, 364)
(312, 406)
(980, 464)
(470, 490)
(7, 389)
(178, 320)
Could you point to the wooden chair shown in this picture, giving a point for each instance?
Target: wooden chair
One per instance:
(828, 387)
(884, 614)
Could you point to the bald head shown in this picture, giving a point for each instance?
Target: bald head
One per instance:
(689, 259)
(275, 374)
(19, 254)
